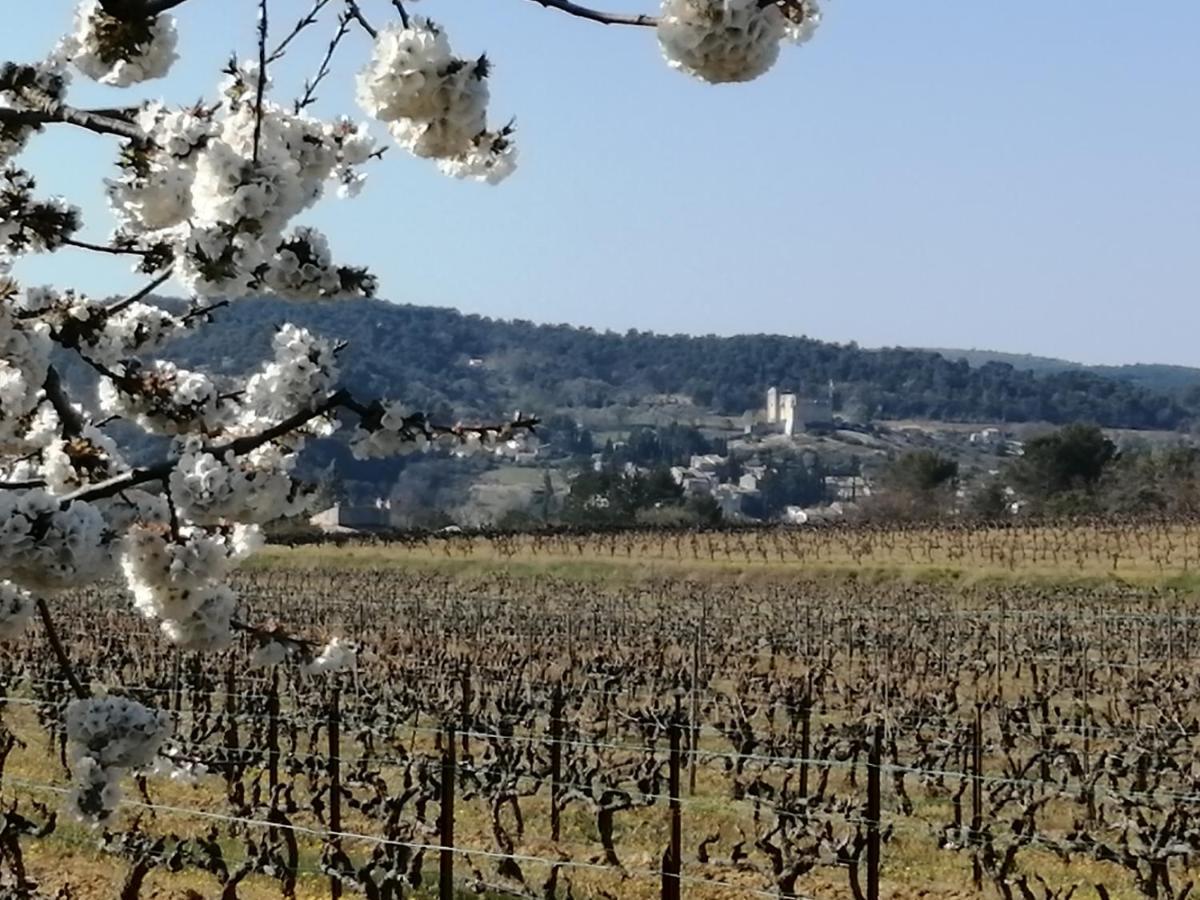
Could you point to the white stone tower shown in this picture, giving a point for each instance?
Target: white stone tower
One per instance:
(787, 414)
(772, 405)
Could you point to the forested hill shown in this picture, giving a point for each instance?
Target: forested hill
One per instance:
(1157, 377)
(444, 360)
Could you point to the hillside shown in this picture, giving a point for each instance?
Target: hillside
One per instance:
(1155, 377)
(447, 361)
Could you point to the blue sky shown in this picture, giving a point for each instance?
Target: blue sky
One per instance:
(945, 173)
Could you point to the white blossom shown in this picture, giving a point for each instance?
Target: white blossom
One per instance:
(95, 791)
(161, 397)
(24, 87)
(720, 40)
(106, 736)
(802, 26)
(302, 372)
(255, 487)
(121, 53)
(16, 609)
(87, 458)
(490, 158)
(434, 103)
(30, 225)
(388, 436)
(47, 544)
(336, 655)
(24, 362)
(154, 191)
(302, 268)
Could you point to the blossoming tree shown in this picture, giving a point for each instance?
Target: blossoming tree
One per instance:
(207, 196)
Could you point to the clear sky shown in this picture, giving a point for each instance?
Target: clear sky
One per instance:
(946, 173)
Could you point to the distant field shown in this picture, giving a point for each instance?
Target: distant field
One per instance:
(1149, 552)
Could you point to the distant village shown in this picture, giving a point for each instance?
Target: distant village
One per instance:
(789, 425)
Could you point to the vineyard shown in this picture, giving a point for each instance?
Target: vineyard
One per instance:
(1080, 547)
(667, 733)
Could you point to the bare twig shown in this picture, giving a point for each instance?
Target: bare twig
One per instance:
(261, 87)
(277, 634)
(595, 15)
(356, 14)
(310, 87)
(309, 18)
(64, 662)
(399, 4)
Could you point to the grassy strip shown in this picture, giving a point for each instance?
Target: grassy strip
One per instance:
(638, 568)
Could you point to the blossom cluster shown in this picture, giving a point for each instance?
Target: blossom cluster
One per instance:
(108, 333)
(338, 654)
(28, 87)
(175, 579)
(28, 225)
(106, 736)
(255, 487)
(48, 543)
(121, 52)
(24, 361)
(208, 194)
(215, 188)
(162, 397)
(388, 429)
(731, 40)
(16, 609)
(304, 368)
(435, 103)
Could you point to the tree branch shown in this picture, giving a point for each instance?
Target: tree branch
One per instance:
(595, 15)
(132, 10)
(240, 446)
(104, 248)
(140, 295)
(64, 662)
(68, 115)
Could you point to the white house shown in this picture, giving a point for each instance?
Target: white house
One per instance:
(344, 519)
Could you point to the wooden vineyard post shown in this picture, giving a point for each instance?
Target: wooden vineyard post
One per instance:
(465, 714)
(1087, 708)
(673, 859)
(874, 812)
(1137, 676)
(694, 730)
(273, 732)
(977, 775)
(1170, 643)
(446, 818)
(335, 781)
(177, 678)
(805, 734)
(556, 738)
(231, 730)
(1000, 651)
